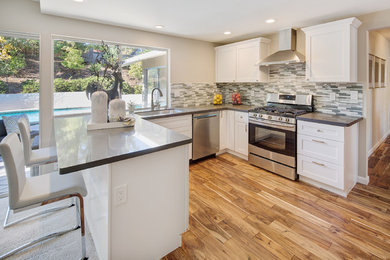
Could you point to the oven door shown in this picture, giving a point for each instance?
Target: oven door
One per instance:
(273, 142)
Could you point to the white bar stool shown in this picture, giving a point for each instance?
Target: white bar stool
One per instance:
(34, 157)
(25, 193)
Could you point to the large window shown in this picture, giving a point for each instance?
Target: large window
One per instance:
(19, 75)
(19, 88)
(79, 65)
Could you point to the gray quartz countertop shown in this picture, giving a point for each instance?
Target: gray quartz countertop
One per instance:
(177, 111)
(329, 119)
(79, 149)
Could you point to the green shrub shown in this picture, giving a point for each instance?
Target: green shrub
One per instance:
(76, 85)
(3, 88)
(127, 89)
(30, 86)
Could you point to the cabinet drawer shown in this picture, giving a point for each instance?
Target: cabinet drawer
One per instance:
(330, 132)
(241, 117)
(321, 171)
(319, 148)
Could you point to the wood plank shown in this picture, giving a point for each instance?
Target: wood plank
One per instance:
(239, 211)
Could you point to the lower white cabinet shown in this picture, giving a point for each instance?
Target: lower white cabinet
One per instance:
(241, 133)
(328, 156)
(234, 132)
(180, 124)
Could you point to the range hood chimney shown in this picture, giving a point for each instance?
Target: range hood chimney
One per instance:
(287, 50)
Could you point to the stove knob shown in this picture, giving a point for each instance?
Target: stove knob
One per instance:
(287, 120)
(270, 117)
(280, 118)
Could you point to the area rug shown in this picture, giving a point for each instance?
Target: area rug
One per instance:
(64, 247)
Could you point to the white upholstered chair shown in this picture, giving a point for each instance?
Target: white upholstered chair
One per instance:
(25, 193)
(34, 157)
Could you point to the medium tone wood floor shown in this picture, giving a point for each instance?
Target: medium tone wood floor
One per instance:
(238, 211)
(379, 166)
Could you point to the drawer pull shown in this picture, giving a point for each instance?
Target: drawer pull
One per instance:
(319, 164)
(318, 141)
(319, 131)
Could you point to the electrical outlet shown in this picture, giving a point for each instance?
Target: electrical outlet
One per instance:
(354, 95)
(332, 96)
(120, 194)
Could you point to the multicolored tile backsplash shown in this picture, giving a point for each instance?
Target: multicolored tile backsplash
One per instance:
(289, 79)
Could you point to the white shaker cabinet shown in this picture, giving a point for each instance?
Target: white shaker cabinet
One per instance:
(226, 59)
(236, 62)
(327, 156)
(180, 124)
(331, 51)
(241, 133)
(234, 132)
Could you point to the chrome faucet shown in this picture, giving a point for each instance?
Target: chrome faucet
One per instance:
(161, 94)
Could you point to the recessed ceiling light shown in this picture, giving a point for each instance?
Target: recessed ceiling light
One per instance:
(227, 33)
(78, 1)
(270, 20)
(159, 26)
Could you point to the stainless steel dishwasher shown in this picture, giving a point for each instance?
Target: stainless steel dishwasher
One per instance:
(205, 134)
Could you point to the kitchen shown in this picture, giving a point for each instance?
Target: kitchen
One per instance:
(237, 204)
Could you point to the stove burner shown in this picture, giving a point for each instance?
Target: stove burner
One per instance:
(279, 111)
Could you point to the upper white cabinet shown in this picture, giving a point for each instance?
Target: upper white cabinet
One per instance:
(226, 59)
(236, 62)
(331, 51)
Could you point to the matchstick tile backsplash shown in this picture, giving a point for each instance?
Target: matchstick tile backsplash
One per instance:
(288, 79)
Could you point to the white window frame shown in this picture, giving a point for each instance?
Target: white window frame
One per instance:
(97, 41)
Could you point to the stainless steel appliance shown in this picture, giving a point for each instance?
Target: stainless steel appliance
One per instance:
(272, 133)
(205, 134)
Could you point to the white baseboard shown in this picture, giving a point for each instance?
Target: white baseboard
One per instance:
(363, 180)
(378, 143)
(245, 157)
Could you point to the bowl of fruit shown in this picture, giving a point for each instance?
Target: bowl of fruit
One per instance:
(217, 100)
(236, 99)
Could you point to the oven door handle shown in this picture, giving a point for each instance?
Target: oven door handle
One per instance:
(278, 126)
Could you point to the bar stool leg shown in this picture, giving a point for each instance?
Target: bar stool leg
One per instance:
(80, 204)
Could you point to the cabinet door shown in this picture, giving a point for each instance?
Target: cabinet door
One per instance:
(230, 130)
(241, 133)
(223, 130)
(226, 59)
(331, 51)
(329, 57)
(247, 57)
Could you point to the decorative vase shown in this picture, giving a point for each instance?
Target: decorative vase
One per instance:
(99, 107)
(117, 110)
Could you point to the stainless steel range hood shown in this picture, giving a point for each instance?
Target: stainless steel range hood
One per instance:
(287, 50)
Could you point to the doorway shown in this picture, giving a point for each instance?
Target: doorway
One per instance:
(379, 95)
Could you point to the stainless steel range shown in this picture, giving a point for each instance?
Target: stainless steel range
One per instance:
(272, 133)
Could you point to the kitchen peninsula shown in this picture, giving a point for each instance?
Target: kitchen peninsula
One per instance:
(137, 182)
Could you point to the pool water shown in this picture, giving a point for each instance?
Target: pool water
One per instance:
(33, 115)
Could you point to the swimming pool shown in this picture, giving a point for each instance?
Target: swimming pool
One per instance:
(33, 115)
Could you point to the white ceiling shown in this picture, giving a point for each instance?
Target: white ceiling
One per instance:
(208, 19)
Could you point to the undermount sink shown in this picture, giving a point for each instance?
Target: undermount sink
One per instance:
(160, 112)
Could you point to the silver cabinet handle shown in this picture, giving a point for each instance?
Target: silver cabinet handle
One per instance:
(319, 164)
(318, 141)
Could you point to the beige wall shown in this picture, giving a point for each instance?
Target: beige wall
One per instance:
(191, 60)
(377, 20)
(380, 97)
